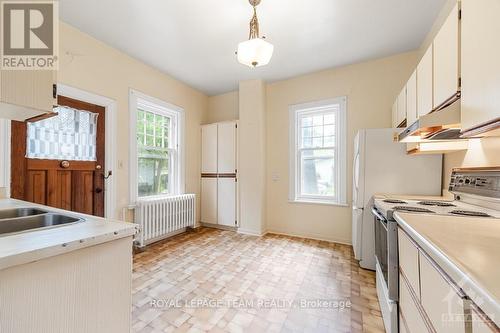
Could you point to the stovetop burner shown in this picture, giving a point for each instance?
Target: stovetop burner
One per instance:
(412, 209)
(437, 203)
(470, 213)
(395, 201)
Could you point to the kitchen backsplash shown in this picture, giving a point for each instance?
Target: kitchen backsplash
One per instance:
(481, 153)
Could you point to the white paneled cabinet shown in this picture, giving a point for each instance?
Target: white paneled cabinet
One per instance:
(208, 200)
(430, 301)
(402, 106)
(424, 83)
(226, 201)
(226, 147)
(411, 99)
(26, 94)
(219, 190)
(480, 52)
(395, 114)
(446, 59)
(209, 148)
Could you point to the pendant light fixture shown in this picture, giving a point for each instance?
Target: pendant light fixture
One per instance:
(255, 51)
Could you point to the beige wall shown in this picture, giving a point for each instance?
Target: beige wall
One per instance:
(481, 153)
(222, 108)
(93, 66)
(371, 88)
(252, 156)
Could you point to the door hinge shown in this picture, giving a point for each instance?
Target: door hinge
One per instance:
(236, 125)
(236, 223)
(54, 90)
(460, 14)
(459, 82)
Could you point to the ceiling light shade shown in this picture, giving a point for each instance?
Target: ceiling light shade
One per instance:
(255, 52)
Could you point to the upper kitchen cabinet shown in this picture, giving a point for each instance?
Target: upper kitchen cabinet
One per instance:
(480, 68)
(401, 114)
(411, 99)
(395, 114)
(27, 94)
(446, 61)
(424, 83)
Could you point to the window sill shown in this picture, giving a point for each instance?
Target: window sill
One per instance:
(318, 202)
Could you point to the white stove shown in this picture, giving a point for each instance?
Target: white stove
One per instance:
(389, 205)
(476, 194)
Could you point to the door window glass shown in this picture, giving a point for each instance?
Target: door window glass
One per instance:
(71, 135)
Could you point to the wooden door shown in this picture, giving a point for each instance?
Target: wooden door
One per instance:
(446, 66)
(424, 84)
(72, 185)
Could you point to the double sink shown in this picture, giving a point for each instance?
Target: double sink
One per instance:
(30, 219)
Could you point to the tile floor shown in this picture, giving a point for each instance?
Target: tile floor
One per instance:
(218, 281)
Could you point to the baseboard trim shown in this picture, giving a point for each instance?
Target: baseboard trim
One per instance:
(343, 242)
(218, 226)
(251, 232)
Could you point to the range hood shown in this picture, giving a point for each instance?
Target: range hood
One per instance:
(439, 125)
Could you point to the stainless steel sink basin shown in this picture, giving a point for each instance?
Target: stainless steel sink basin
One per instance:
(20, 224)
(19, 212)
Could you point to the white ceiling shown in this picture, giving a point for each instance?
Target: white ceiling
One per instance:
(195, 40)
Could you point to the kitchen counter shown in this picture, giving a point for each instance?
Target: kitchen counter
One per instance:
(30, 246)
(413, 197)
(467, 249)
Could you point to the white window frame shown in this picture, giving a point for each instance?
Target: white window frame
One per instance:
(295, 112)
(157, 106)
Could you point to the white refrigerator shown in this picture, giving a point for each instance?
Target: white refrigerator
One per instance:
(381, 166)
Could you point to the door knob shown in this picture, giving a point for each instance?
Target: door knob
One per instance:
(98, 190)
(64, 164)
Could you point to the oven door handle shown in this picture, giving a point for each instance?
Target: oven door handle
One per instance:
(377, 214)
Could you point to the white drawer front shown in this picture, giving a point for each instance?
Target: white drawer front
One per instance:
(409, 310)
(443, 305)
(408, 261)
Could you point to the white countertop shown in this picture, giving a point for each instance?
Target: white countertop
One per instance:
(29, 246)
(466, 248)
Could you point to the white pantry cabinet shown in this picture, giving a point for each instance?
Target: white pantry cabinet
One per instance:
(446, 60)
(26, 94)
(411, 99)
(480, 67)
(209, 148)
(208, 200)
(218, 178)
(424, 83)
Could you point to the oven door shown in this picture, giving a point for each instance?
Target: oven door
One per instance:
(381, 249)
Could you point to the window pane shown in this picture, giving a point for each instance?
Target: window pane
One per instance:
(307, 143)
(329, 119)
(317, 142)
(318, 120)
(71, 135)
(317, 172)
(318, 131)
(329, 141)
(153, 172)
(329, 130)
(307, 132)
(153, 157)
(306, 121)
